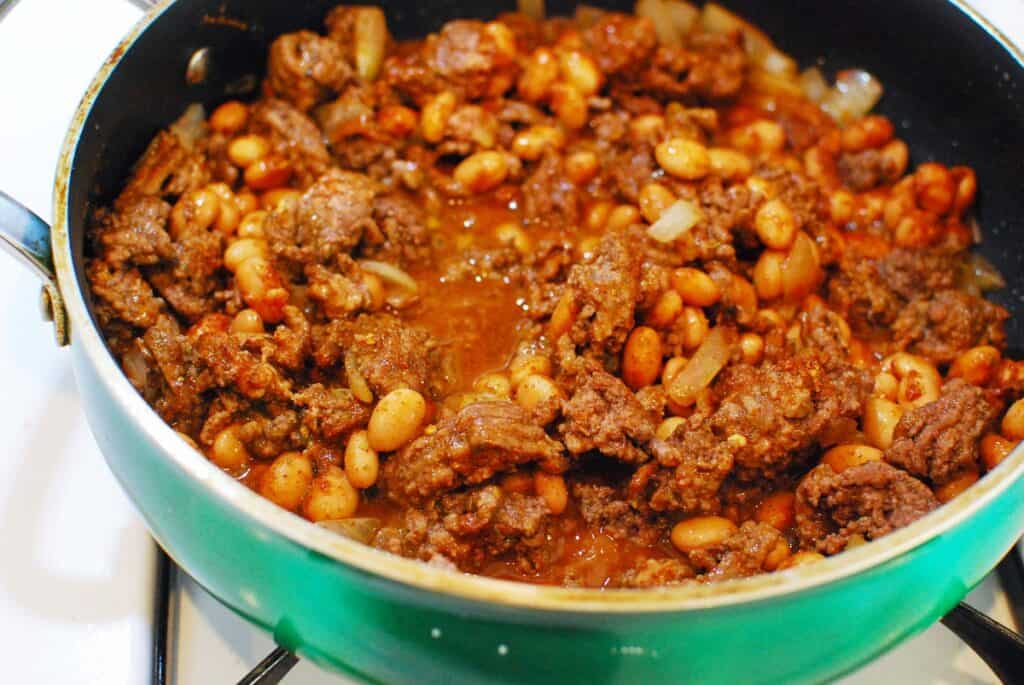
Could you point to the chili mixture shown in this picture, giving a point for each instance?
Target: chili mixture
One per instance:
(609, 300)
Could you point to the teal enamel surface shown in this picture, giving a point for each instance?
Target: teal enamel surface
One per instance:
(346, 619)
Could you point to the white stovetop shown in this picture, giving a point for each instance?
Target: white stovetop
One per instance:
(76, 564)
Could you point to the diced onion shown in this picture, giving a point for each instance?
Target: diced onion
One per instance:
(371, 37)
(774, 84)
(392, 275)
(672, 19)
(191, 125)
(531, 8)
(675, 221)
(801, 270)
(814, 85)
(360, 529)
(710, 358)
(855, 93)
(978, 275)
(358, 385)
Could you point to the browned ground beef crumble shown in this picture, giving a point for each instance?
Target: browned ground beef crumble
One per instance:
(414, 283)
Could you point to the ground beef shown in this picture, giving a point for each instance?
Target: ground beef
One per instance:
(711, 67)
(861, 171)
(871, 293)
(604, 415)
(292, 135)
(399, 234)
(169, 166)
(939, 440)
(180, 373)
(621, 43)
(869, 500)
(781, 410)
(468, 529)
(942, 327)
(194, 273)
(754, 548)
(126, 292)
(605, 292)
(389, 354)
(305, 68)
(484, 438)
(327, 221)
(631, 169)
(463, 57)
(548, 196)
(268, 435)
(607, 509)
(331, 413)
(134, 234)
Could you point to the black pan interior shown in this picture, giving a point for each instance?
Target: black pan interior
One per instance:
(955, 93)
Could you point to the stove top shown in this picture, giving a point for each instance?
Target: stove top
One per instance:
(77, 591)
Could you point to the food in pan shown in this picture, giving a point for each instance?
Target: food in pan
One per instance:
(607, 300)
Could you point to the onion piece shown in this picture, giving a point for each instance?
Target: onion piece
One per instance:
(814, 85)
(358, 385)
(359, 529)
(371, 37)
(977, 276)
(854, 94)
(531, 8)
(774, 84)
(392, 275)
(756, 43)
(657, 12)
(672, 19)
(801, 269)
(190, 126)
(710, 358)
(675, 221)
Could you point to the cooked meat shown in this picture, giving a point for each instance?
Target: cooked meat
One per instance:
(939, 440)
(483, 439)
(869, 500)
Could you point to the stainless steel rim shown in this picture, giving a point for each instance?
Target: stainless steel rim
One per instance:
(469, 587)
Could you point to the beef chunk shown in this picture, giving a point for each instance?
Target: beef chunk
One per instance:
(711, 67)
(951, 322)
(135, 235)
(658, 573)
(401, 235)
(189, 282)
(605, 508)
(770, 418)
(869, 500)
(126, 292)
(861, 171)
(327, 221)
(306, 68)
(605, 293)
(330, 413)
(604, 415)
(294, 136)
(870, 293)
(169, 166)
(224, 362)
(484, 438)
(780, 410)
(548, 196)
(754, 548)
(389, 354)
(939, 440)
(621, 43)
(291, 342)
(181, 375)
(631, 168)
(468, 529)
(463, 57)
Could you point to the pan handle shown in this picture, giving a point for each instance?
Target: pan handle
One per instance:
(27, 237)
